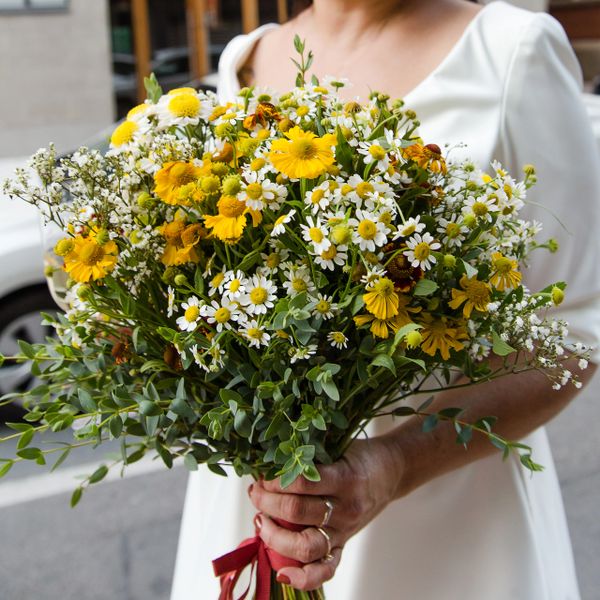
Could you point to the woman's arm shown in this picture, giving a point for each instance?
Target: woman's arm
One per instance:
(379, 470)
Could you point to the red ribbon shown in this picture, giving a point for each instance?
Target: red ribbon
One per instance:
(255, 552)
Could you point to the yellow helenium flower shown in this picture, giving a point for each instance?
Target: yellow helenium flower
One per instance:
(303, 154)
(381, 299)
(475, 294)
(438, 336)
(380, 327)
(230, 223)
(426, 157)
(89, 260)
(181, 240)
(505, 274)
(172, 177)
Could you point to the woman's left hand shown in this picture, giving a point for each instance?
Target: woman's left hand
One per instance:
(359, 486)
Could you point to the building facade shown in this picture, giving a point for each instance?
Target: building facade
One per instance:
(55, 73)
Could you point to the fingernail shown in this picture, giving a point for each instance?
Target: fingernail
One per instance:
(281, 578)
(250, 487)
(258, 522)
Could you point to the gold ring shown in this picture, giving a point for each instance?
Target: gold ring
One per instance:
(328, 555)
(328, 512)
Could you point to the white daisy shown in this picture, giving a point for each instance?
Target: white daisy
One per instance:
(170, 301)
(222, 314)
(274, 259)
(189, 320)
(481, 207)
(316, 232)
(302, 353)
(258, 192)
(453, 232)
(260, 295)
(318, 198)
(374, 153)
(234, 285)
(410, 226)
(298, 281)
(324, 307)
(182, 108)
(369, 232)
(419, 250)
(216, 283)
(337, 339)
(255, 334)
(281, 222)
(334, 255)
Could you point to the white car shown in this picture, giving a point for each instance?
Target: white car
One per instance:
(23, 290)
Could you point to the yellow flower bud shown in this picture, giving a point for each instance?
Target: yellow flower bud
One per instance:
(64, 246)
(413, 339)
(232, 185)
(529, 170)
(557, 295)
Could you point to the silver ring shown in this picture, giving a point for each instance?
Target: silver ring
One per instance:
(328, 512)
(328, 555)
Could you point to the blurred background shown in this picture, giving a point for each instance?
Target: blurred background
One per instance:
(70, 69)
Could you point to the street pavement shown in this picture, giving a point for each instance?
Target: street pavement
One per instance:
(120, 542)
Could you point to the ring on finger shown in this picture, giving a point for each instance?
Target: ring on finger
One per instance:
(328, 555)
(328, 512)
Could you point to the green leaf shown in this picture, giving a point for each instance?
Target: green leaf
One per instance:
(5, 468)
(76, 497)
(25, 438)
(61, 459)
(403, 411)
(149, 409)
(290, 476)
(30, 453)
(383, 360)
(330, 389)
(86, 401)
(190, 462)
(27, 349)
(469, 270)
(430, 423)
(500, 347)
(425, 287)
(153, 89)
(99, 474)
(115, 426)
(310, 472)
(218, 469)
(230, 395)
(166, 456)
(242, 424)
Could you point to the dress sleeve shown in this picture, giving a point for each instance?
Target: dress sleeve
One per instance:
(545, 123)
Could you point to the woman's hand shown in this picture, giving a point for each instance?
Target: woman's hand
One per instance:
(359, 486)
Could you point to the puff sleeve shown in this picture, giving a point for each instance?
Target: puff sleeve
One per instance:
(544, 122)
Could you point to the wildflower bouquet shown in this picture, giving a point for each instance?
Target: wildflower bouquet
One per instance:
(251, 283)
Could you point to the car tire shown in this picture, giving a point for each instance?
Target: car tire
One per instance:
(20, 319)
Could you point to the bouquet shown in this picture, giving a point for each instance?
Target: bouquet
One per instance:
(250, 283)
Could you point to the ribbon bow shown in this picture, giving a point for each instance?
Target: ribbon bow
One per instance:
(252, 551)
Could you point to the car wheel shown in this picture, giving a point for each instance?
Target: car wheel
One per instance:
(20, 320)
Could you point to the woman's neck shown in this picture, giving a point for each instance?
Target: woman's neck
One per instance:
(332, 17)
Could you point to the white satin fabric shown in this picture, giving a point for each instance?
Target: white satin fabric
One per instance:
(510, 89)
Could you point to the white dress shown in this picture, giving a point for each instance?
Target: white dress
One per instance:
(510, 89)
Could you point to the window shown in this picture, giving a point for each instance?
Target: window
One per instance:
(33, 5)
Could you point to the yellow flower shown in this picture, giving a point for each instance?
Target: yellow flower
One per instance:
(185, 104)
(172, 177)
(181, 241)
(303, 154)
(124, 133)
(475, 294)
(438, 336)
(381, 299)
(505, 275)
(426, 157)
(230, 223)
(89, 260)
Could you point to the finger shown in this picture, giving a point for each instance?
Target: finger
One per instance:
(305, 546)
(311, 576)
(294, 508)
(330, 484)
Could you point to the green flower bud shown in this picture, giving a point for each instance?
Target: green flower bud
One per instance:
(449, 261)
(219, 169)
(470, 221)
(144, 200)
(557, 295)
(180, 280)
(264, 98)
(552, 245)
(64, 246)
(210, 184)
(223, 130)
(433, 304)
(471, 185)
(232, 185)
(84, 292)
(169, 275)
(413, 339)
(102, 236)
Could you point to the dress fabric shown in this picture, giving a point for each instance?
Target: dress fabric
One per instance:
(509, 89)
